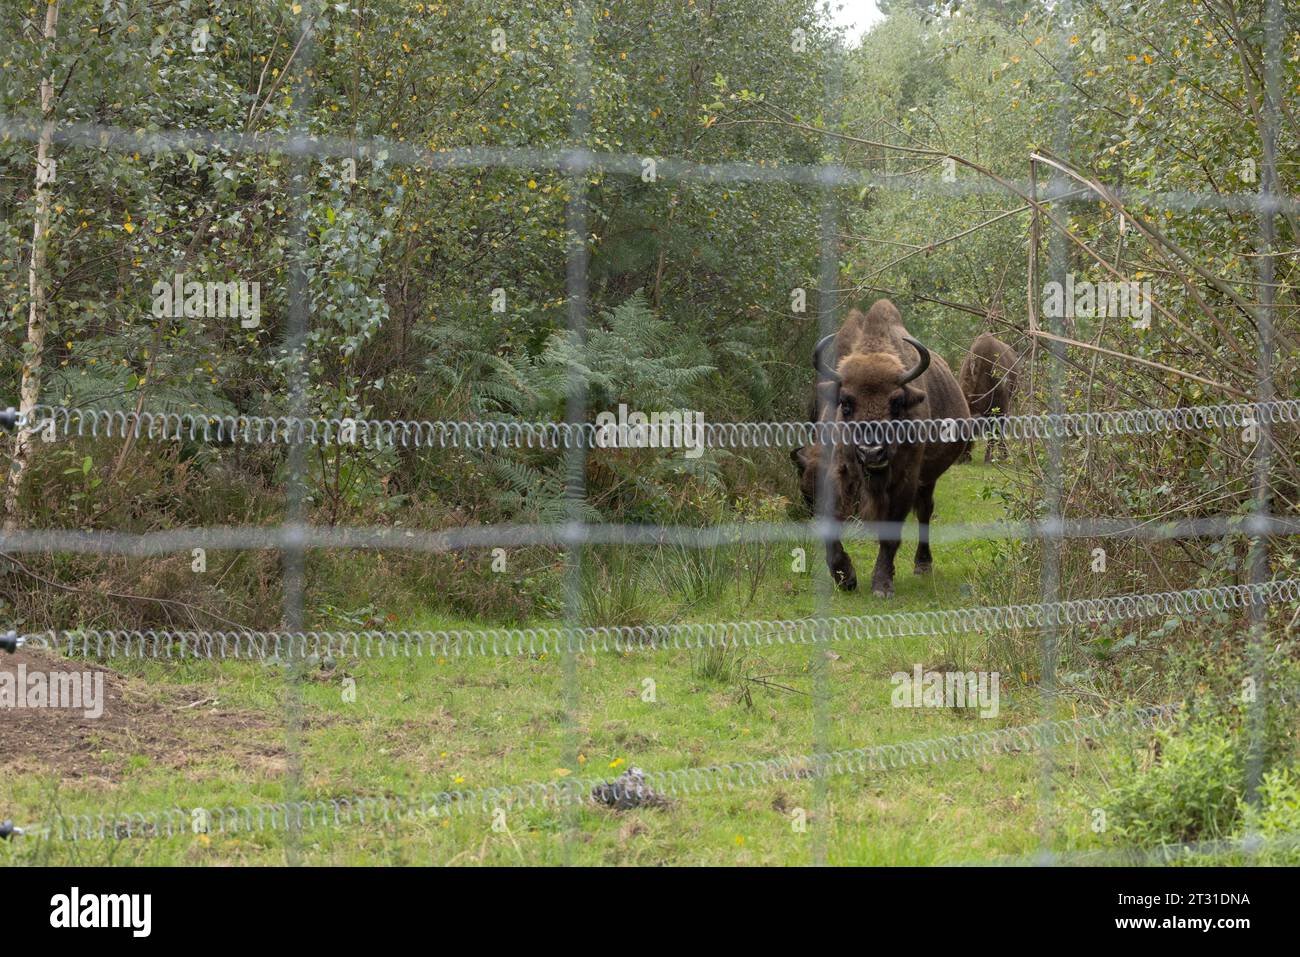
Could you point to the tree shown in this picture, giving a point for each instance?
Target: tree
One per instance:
(37, 315)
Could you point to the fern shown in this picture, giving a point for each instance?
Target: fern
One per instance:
(96, 376)
(630, 356)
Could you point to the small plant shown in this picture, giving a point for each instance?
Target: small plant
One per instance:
(84, 484)
(1276, 819)
(721, 663)
(612, 592)
(755, 558)
(698, 576)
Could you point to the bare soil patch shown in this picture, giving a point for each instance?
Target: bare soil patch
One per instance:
(176, 726)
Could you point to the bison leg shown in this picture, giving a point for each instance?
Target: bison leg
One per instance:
(924, 509)
(882, 577)
(841, 566)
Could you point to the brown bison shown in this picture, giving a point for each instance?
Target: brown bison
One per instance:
(988, 380)
(872, 370)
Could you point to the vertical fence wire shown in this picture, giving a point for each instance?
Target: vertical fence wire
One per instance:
(293, 556)
(575, 486)
(1265, 317)
(827, 309)
(1050, 567)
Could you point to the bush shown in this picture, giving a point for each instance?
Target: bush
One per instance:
(1276, 819)
(1192, 785)
(1191, 791)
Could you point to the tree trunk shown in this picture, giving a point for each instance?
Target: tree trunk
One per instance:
(30, 390)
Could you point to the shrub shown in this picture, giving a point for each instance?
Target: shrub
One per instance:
(1192, 785)
(1191, 790)
(1276, 819)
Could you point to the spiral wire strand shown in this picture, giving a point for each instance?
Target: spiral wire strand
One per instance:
(666, 784)
(62, 421)
(517, 642)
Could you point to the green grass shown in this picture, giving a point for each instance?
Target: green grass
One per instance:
(427, 725)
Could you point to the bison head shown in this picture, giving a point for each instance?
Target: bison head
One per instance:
(863, 387)
(874, 387)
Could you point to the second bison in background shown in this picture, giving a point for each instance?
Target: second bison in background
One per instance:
(872, 370)
(988, 380)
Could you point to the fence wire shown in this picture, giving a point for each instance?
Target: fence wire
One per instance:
(54, 422)
(566, 534)
(287, 646)
(102, 136)
(649, 786)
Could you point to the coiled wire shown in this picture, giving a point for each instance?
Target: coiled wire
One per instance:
(62, 421)
(335, 812)
(508, 642)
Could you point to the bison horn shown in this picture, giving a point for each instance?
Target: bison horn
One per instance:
(820, 364)
(921, 365)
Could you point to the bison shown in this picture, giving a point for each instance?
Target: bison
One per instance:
(872, 370)
(988, 380)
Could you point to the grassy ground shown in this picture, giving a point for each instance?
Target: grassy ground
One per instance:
(214, 733)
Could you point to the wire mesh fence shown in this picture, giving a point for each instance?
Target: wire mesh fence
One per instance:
(577, 438)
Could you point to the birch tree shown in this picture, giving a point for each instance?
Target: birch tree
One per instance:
(37, 315)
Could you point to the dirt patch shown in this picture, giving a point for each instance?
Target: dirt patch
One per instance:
(174, 726)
